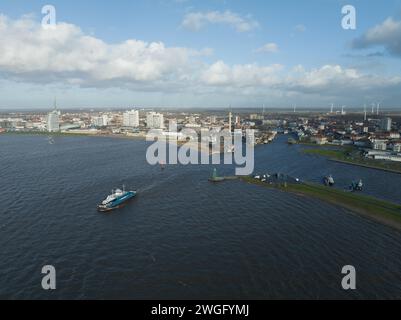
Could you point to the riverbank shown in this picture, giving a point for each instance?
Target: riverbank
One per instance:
(348, 156)
(382, 211)
(193, 145)
(74, 134)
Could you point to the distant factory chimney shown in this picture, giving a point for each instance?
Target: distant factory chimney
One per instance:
(332, 108)
(378, 108)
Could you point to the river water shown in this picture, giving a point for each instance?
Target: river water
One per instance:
(183, 238)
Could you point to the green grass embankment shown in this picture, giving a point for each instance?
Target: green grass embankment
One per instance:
(348, 156)
(383, 211)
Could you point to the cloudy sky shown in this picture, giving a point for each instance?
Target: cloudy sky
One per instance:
(199, 53)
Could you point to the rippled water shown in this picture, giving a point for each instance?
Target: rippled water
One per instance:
(183, 238)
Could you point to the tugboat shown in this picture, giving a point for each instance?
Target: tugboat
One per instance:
(356, 186)
(116, 200)
(329, 181)
(215, 177)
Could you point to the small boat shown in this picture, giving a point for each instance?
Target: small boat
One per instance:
(356, 186)
(116, 200)
(329, 181)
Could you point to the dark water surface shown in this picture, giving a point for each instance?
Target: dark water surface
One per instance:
(183, 238)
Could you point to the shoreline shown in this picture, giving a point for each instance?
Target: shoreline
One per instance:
(385, 212)
(365, 166)
(191, 145)
(337, 156)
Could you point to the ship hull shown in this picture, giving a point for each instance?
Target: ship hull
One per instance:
(118, 203)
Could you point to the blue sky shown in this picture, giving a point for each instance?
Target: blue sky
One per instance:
(308, 58)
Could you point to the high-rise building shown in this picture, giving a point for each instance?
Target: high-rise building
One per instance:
(385, 124)
(131, 119)
(102, 121)
(105, 120)
(53, 121)
(155, 120)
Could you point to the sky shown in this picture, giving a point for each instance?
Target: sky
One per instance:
(199, 53)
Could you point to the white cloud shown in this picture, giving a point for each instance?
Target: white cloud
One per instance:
(246, 75)
(386, 34)
(195, 21)
(65, 52)
(336, 80)
(268, 48)
(66, 55)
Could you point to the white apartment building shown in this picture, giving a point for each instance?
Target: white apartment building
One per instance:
(102, 121)
(155, 120)
(131, 119)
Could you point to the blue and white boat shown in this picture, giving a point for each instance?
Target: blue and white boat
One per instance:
(116, 200)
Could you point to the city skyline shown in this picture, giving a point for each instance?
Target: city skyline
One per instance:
(193, 54)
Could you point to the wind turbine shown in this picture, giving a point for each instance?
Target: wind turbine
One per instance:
(378, 108)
